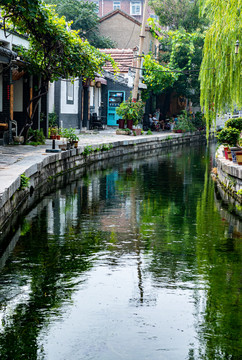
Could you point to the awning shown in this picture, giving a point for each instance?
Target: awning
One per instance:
(101, 80)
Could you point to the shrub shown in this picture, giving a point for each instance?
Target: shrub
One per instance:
(228, 136)
(131, 110)
(36, 136)
(184, 122)
(199, 120)
(52, 117)
(234, 123)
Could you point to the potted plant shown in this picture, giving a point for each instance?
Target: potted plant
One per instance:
(229, 136)
(235, 123)
(71, 136)
(184, 123)
(131, 111)
(53, 132)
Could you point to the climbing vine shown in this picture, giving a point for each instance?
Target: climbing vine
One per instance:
(156, 76)
(55, 51)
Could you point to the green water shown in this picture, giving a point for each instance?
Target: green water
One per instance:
(139, 261)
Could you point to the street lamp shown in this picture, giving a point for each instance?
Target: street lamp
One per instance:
(237, 47)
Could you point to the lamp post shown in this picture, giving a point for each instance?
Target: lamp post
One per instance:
(237, 47)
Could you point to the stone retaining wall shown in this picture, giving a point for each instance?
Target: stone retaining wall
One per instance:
(41, 174)
(229, 175)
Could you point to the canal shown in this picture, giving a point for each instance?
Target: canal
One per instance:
(137, 261)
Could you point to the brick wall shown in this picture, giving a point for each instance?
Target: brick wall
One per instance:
(106, 6)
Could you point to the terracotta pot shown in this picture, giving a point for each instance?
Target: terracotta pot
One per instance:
(229, 155)
(121, 123)
(75, 143)
(62, 146)
(58, 137)
(52, 137)
(137, 131)
(239, 157)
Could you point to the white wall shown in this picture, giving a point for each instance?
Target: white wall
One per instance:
(69, 108)
(13, 40)
(51, 98)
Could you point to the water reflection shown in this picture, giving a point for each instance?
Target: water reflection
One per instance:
(135, 262)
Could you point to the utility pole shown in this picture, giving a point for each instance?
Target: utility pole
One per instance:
(141, 44)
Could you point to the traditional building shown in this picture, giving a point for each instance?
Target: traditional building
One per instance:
(124, 30)
(17, 87)
(130, 7)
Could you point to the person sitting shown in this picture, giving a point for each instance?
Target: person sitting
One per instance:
(156, 123)
(150, 121)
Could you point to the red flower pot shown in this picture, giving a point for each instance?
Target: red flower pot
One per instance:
(130, 124)
(226, 152)
(121, 123)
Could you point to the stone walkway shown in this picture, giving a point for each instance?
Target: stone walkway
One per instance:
(15, 159)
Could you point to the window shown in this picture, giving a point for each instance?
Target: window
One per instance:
(116, 5)
(69, 92)
(135, 8)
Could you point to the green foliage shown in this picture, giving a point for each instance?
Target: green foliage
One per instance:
(179, 14)
(25, 227)
(36, 136)
(52, 117)
(184, 122)
(106, 147)
(221, 74)
(149, 132)
(54, 130)
(182, 52)
(55, 50)
(84, 18)
(131, 110)
(70, 134)
(199, 120)
(88, 150)
(24, 182)
(157, 77)
(228, 136)
(234, 123)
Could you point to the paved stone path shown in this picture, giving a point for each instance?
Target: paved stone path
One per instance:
(15, 159)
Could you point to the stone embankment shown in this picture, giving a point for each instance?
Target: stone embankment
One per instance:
(229, 176)
(25, 169)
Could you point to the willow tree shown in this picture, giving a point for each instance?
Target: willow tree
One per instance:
(221, 73)
(55, 50)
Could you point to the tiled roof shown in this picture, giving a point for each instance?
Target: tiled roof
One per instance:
(121, 12)
(125, 58)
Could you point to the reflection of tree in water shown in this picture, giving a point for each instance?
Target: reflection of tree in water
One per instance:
(172, 218)
(50, 267)
(191, 242)
(219, 264)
